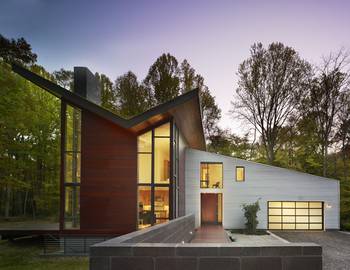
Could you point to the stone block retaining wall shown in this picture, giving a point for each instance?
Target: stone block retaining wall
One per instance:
(166, 246)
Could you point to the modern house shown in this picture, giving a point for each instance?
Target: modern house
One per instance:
(119, 175)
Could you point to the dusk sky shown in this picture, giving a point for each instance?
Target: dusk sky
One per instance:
(112, 37)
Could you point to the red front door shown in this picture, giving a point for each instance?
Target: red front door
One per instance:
(209, 208)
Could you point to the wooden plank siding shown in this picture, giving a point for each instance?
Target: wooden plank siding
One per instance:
(108, 199)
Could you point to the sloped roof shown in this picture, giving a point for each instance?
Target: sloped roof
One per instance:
(185, 109)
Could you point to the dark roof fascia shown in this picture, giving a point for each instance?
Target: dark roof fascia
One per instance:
(201, 117)
(81, 102)
(68, 96)
(164, 107)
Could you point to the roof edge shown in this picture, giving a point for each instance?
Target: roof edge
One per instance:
(77, 100)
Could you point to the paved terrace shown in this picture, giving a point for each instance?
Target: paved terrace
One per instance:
(211, 234)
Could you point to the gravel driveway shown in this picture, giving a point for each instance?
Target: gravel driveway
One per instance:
(336, 246)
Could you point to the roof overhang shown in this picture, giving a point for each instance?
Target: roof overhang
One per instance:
(185, 109)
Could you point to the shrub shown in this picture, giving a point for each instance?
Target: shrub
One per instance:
(346, 226)
(250, 213)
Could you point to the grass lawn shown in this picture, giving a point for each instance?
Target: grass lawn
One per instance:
(26, 253)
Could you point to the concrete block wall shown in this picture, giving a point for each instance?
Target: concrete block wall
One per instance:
(165, 256)
(165, 246)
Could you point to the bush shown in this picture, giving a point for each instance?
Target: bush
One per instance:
(250, 213)
(346, 226)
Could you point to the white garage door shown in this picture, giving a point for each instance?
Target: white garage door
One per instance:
(295, 215)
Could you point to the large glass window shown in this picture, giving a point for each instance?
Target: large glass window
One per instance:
(154, 176)
(211, 175)
(161, 160)
(145, 209)
(161, 204)
(72, 165)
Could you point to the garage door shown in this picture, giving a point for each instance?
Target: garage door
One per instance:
(297, 215)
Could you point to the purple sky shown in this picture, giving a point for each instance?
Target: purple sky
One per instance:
(214, 36)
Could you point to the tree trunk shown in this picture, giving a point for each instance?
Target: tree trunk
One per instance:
(325, 154)
(345, 167)
(7, 202)
(25, 204)
(270, 155)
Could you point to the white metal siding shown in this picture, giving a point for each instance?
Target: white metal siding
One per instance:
(264, 182)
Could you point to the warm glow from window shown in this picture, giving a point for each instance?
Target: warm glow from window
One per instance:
(144, 206)
(161, 160)
(240, 177)
(211, 175)
(163, 130)
(144, 142)
(295, 215)
(144, 168)
(154, 177)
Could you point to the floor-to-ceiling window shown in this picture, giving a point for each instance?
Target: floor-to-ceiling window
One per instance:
(72, 158)
(154, 176)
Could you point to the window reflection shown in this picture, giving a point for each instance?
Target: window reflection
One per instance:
(72, 165)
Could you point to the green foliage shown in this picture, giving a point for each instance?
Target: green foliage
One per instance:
(108, 95)
(250, 213)
(270, 84)
(163, 79)
(132, 98)
(18, 51)
(225, 143)
(64, 78)
(29, 147)
(25, 254)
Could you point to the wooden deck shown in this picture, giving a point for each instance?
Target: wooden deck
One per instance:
(28, 226)
(211, 234)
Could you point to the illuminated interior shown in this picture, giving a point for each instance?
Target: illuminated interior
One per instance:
(72, 165)
(211, 175)
(240, 174)
(145, 211)
(295, 215)
(154, 181)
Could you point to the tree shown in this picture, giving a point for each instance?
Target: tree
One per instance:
(226, 143)
(108, 95)
(343, 134)
(187, 74)
(132, 97)
(163, 79)
(29, 147)
(270, 84)
(211, 113)
(251, 214)
(327, 96)
(64, 78)
(18, 51)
